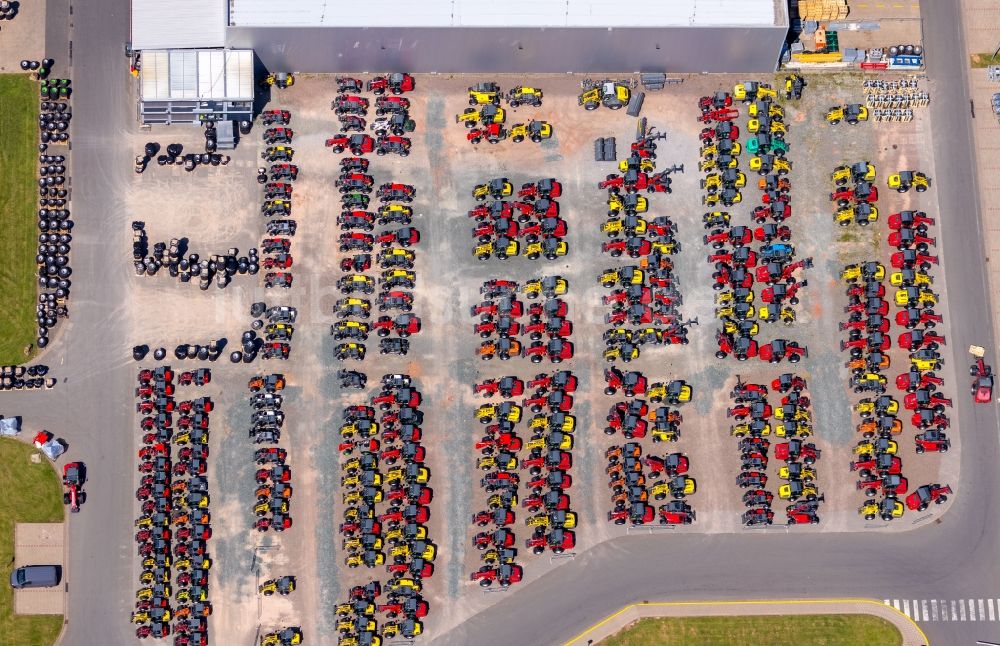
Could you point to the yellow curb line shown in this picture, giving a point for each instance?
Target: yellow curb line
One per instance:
(766, 602)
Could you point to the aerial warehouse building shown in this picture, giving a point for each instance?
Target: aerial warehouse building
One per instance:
(515, 36)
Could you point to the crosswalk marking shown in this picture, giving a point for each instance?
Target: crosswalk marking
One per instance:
(981, 609)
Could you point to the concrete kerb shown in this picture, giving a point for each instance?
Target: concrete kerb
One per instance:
(65, 582)
(911, 632)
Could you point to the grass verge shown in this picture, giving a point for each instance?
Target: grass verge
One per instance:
(33, 495)
(984, 60)
(18, 125)
(788, 630)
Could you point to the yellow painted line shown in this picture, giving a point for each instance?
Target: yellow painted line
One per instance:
(766, 602)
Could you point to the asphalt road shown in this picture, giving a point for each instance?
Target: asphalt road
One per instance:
(91, 407)
(955, 559)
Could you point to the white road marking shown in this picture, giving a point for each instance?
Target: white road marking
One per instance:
(982, 609)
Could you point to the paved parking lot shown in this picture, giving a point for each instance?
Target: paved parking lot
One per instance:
(40, 544)
(217, 209)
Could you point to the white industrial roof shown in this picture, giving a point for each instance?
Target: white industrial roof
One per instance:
(191, 74)
(160, 24)
(509, 13)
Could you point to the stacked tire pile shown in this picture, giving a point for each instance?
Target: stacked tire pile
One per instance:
(533, 217)
(173, 155)
(631, 493)
(53, 121)
(25, 377)
(277, 202)
(547, 325)
(220, 267)
(54, 222)
(270, 334)
(357, 222)
(174, 525)
(386, 494)
(547, 456)
(274, 490)
(197, 351)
